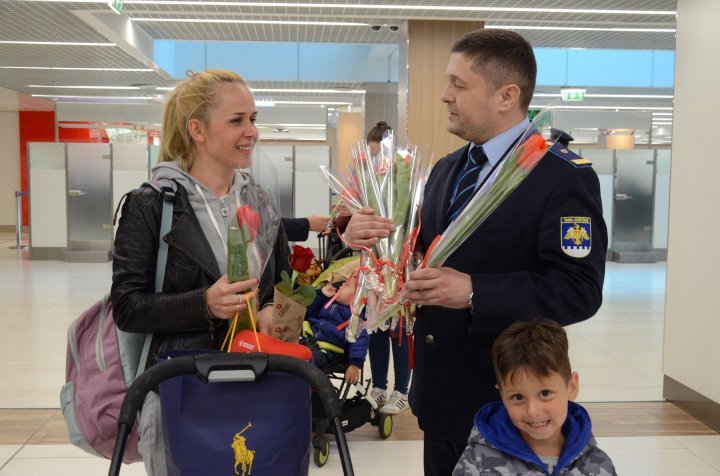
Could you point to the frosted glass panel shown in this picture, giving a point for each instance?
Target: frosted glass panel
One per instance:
(662, 199)
(48, 224)
(154, 153)
(89, 197)
(281, 158)
(634, 196)
(312, 195)
(602, 163)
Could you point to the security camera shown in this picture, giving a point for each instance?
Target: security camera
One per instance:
(394, 28)
(376, 27)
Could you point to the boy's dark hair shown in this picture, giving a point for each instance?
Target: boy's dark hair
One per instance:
(377, 133)
(501, 57)
(539, 347)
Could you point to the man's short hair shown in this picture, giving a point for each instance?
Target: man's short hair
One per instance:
(539, 347)
(501, 57)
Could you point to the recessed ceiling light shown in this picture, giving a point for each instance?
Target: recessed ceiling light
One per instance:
(616, 108)
(139, 98)
(82, 87)
(325, 91)
(54, 43)
(129, 70)
(580, 28)
(248, 21)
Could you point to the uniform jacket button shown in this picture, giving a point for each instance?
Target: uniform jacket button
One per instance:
(429, 339)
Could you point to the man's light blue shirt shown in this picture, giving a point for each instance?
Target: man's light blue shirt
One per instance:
(496, 147)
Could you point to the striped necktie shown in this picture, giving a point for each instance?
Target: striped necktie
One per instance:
(466, 185)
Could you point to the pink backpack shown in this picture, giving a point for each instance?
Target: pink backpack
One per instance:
(102, 362)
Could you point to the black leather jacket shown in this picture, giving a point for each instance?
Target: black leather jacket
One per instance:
(177, 317)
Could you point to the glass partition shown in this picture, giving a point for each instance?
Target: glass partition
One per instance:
(89, 192)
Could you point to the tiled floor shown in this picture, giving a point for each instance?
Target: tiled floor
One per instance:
(618, 354)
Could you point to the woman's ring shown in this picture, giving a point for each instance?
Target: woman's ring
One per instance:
(237, 306)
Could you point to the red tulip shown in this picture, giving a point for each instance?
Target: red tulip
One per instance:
(248, 221)
(301, 258)
(532, 150)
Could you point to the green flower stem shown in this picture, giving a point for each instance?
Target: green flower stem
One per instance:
(237, 255)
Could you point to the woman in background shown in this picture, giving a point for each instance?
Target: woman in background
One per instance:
(382, 341)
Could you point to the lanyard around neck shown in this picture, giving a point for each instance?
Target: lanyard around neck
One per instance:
(212, 215)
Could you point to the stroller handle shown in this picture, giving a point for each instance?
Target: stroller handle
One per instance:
(202, 365)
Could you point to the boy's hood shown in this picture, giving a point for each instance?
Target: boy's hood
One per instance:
(496, 428)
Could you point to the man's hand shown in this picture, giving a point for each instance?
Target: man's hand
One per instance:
(365, 229)
(443, 287)
(352, 374)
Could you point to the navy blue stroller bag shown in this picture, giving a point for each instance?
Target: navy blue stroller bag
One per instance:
(226, 414)
(241, 428)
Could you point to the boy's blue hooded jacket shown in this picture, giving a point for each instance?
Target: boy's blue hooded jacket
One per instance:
(496, 447)
(324, 324)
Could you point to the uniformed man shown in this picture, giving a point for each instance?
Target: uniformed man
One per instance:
(540, 254)
(561, 137)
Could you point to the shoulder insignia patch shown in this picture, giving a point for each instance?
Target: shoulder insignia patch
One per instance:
(569, 156)
(576, 236)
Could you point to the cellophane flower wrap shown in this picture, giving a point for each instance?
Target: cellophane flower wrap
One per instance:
(391, 183)
(512, 169)
(252, 230)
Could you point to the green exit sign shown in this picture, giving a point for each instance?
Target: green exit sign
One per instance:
(116, 6)
(572, 94)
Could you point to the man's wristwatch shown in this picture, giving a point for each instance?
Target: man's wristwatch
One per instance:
(470, 302)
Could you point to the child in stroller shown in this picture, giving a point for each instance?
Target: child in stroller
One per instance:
(326, 341)
(341, 361)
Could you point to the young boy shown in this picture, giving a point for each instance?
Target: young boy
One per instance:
(324, 322)
(536, 429)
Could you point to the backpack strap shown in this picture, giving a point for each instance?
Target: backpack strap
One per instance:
(167, 192)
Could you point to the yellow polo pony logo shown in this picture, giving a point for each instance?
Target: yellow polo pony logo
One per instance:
(243, 456)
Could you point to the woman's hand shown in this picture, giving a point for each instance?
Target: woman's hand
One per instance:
(318, 223)
(224, 299)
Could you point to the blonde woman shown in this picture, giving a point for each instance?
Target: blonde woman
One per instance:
(208, 133)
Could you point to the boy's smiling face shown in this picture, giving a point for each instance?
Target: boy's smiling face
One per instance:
(538, 408)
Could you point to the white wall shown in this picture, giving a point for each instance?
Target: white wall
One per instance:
(692, 327)
(10, 163)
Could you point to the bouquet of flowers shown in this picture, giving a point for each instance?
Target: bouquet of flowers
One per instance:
(291, 301)
(391, 183)
(508, 174)
(250, 238)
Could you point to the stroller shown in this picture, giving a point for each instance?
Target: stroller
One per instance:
(356, 406)
(217, 368)
(356, 409)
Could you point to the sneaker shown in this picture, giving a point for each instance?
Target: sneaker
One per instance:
(397, 403)
(379, 396)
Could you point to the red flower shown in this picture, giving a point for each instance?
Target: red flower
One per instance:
(248, 221)
(531, 151)
(301, 258)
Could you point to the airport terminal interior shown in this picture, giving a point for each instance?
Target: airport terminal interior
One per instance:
(608, 71)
